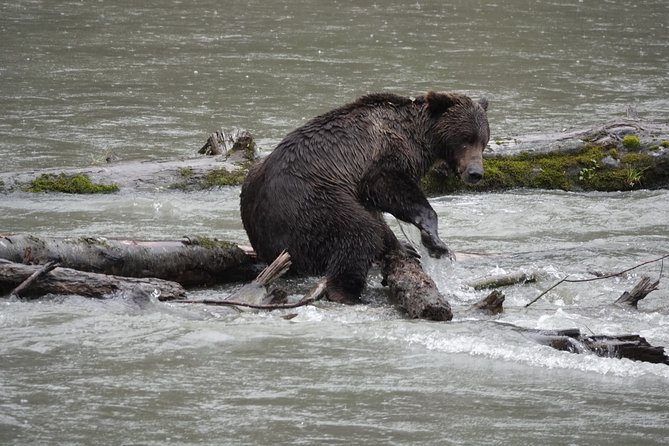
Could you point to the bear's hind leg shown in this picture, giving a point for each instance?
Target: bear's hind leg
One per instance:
(359, 241)
(345, 287)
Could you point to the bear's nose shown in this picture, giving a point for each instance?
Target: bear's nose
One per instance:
(474, 175)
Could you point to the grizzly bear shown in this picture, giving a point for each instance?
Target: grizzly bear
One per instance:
(321, 193)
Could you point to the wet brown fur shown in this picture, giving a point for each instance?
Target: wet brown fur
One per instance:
(321, 193)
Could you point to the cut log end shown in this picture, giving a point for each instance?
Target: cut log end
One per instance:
(413, 288)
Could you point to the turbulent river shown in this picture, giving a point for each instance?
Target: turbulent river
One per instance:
(82, 80)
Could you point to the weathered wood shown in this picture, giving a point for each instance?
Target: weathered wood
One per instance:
(256, 292)
(501, 280)
(190, 262)
(413, 288)
(640, 290)
(314, 294)
(632, 347)
(70, 281)
(49, 266)
(238, 149)
(491, 304)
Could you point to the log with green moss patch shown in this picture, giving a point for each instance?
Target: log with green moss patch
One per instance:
(603, 159)
(69, 184)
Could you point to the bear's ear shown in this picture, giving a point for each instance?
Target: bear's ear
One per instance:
(483, 102)
(438, 103)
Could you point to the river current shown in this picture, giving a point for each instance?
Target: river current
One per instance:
(80, 80)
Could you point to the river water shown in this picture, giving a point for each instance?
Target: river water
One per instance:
(82, 80)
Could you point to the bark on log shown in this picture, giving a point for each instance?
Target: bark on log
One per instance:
(413, 289)
(195, 262)
(38, 274)
(70, 281)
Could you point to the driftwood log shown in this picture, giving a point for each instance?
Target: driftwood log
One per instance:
(632, 346)
(413, 288)
(596, 158)
(68, 281)
(190, 262)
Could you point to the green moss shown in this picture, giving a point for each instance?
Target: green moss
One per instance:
(211, 243)
(186, 172)
(631, 142)
(223, 177)
(565, 171)
(637, 159)
(69, 184)
(665, 144)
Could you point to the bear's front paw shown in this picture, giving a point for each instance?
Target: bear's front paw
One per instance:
(435, 247)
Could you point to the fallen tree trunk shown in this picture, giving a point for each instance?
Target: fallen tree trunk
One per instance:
(190, 262)
(68, 281)
(623, 154)
(413, 289)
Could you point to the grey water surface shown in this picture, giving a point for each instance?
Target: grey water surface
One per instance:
(80, 80)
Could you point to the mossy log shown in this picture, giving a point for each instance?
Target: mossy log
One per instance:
(190, 262)
(624, 154)
(237, 152)
(70, 281)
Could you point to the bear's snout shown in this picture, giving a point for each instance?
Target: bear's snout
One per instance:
(473, 175)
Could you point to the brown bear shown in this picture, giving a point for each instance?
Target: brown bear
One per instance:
(321, 193)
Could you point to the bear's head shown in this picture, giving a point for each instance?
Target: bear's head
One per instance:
(460, 132)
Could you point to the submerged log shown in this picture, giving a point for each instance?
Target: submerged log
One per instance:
(413, 289)
(190, 262)
(69, 281)
(632, 347)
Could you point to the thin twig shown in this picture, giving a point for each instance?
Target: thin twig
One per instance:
(48, 266)
(540, 295)
(608, 276)
(313, 295)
